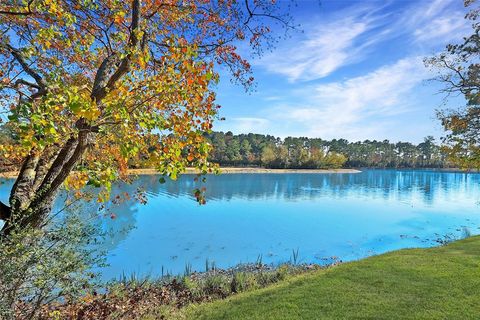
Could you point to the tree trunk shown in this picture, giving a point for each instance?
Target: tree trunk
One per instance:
(38, 182)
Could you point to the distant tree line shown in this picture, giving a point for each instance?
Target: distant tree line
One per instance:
(273, 152)
(268, 151)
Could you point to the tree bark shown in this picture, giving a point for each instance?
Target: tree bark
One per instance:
(21, 194)
(29, 205)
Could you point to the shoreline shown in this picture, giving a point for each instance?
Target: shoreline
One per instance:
(245, 284)
(253, 170)
(235, 170)
(225, 170)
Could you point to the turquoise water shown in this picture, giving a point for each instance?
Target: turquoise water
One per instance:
(323, 216)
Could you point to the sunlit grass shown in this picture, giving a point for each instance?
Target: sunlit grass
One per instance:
(435, 283)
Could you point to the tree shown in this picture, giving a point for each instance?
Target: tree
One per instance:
(334, 160)
(459, 70)
(427, 149)
(268, 156)
(299, 156)
(85, 83)
(245, 150)
(232, 151)
(218, 141)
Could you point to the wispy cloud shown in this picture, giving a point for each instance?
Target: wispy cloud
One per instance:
(437, 21)
(349, 36)
(244, 125)
(321, 54)
(272, 98)
(355, 108)
(447, 28)
(364, 69)
(325, 47)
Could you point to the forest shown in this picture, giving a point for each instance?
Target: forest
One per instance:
(311, 153)
(260, 150)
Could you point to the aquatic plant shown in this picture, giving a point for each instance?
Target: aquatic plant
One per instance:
(259, 261)
(188, 269)
(294, 259)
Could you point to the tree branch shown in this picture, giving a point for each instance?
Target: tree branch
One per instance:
(41, 85)
(44, 164)
(19, 57)
(106, 76)
(51, 189)
(19, 13)
(62, 157)
(25, 82)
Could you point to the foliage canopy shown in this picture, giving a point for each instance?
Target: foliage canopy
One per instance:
(459, 71)
(88, 85)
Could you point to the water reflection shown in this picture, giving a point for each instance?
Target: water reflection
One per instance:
(324, 215)
(348, 216)
(294, 187)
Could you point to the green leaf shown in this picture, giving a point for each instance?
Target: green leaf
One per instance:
(75, 106)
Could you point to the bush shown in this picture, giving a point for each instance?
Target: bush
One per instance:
(216, 285)
(243, 281)
(38, 267)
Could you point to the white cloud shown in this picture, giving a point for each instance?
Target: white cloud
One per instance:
(384, 101)
(273, 98)
(347, 37)
(321, 54)
(357, 108)
(446, 28)
(432, 22)
(325, 47)
(244, 125)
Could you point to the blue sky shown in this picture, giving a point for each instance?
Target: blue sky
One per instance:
(355, 72)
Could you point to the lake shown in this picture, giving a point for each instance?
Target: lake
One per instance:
(323, 217)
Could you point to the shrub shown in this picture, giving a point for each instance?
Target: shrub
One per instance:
(38, 267)
(216, 285)
(243, 281)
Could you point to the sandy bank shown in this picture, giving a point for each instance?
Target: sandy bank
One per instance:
(255, 170)
(225, 170)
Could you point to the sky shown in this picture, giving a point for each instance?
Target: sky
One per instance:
(354, 70)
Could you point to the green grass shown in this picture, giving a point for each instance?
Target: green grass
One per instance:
(435, 283)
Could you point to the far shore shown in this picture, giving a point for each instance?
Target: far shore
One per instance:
(232, 170)
(13, 174)
(247, 170)
(253, 170)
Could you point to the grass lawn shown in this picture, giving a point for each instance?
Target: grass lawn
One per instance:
(435, 283)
